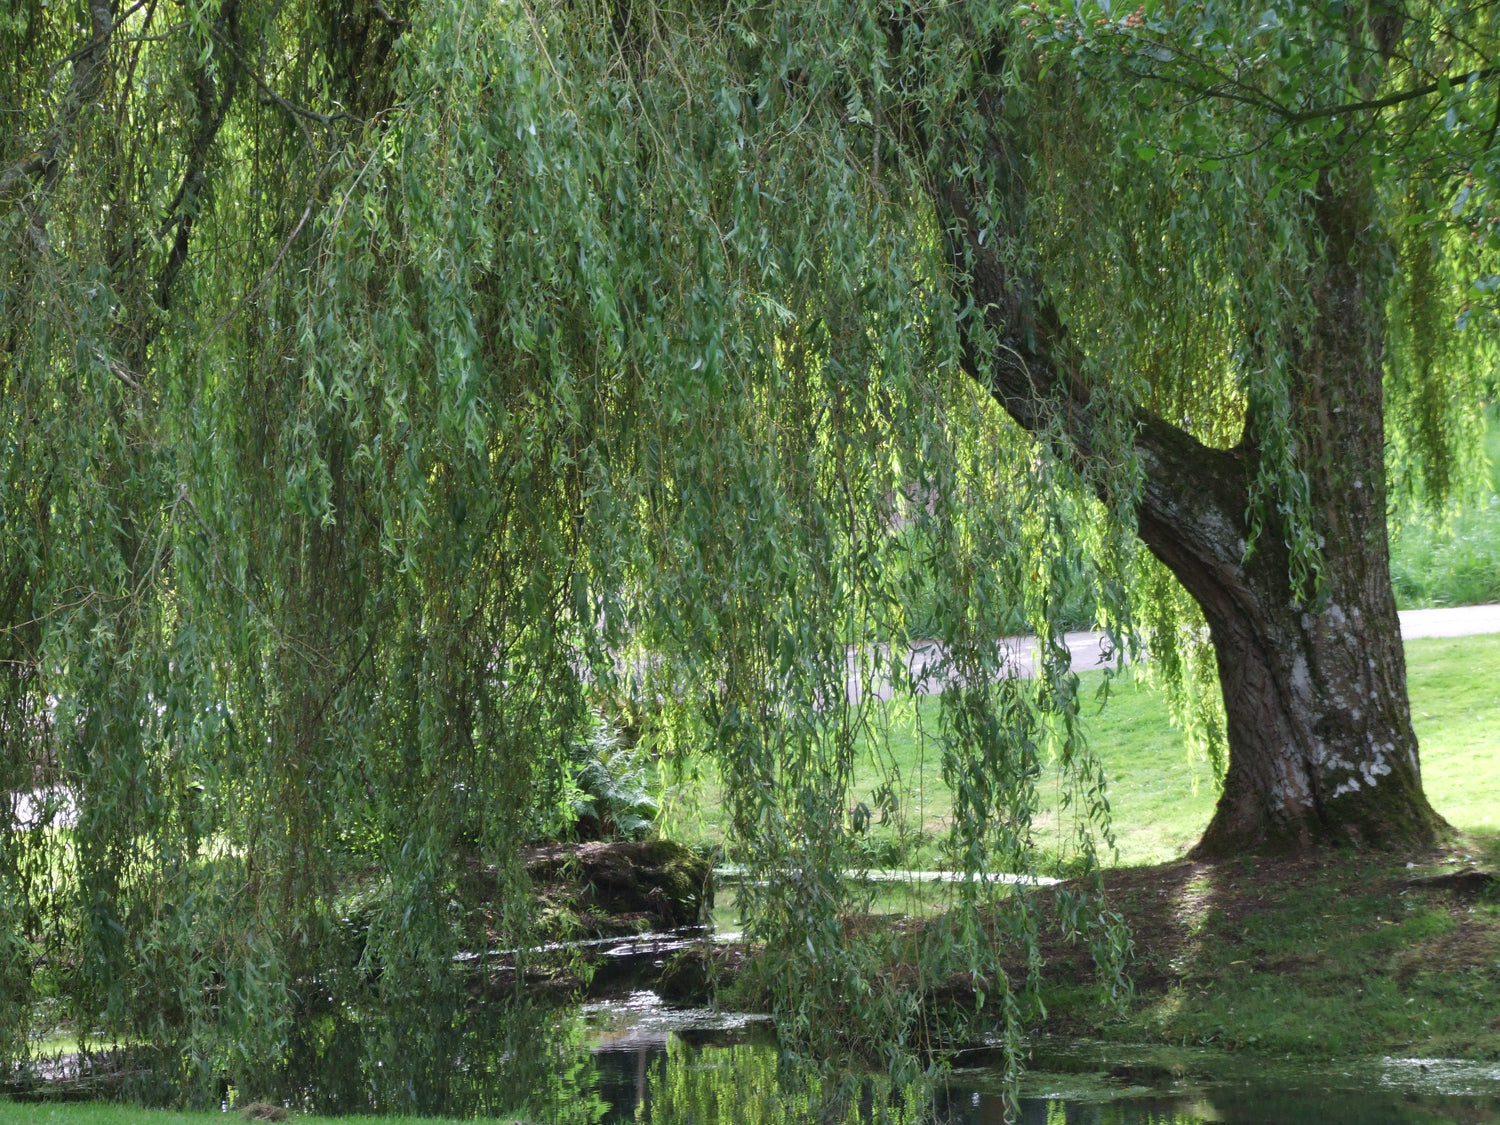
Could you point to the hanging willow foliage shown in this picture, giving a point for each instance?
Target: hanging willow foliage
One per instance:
(383, 384)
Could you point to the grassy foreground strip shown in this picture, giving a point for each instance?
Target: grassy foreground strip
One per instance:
(1328, 955)
(107, 1113)
(1334, 954)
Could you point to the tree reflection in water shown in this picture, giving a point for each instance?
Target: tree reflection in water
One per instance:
(506, 1058)
(513, 1059)
(749, 1084)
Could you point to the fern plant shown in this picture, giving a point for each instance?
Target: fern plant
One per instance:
(608, 792)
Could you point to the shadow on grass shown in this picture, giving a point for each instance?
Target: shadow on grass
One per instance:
(1326, 954)
(1486, 849)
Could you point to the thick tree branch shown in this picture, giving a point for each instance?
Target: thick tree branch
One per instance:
(213, 107)
(42, 169)
(1012, 346)
(1344, 109)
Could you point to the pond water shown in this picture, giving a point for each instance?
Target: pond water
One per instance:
(663, 1067)
(636, 1059)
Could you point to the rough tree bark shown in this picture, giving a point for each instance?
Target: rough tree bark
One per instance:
(1321, 747)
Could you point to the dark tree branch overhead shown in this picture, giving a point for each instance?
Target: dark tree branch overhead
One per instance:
(213, 101)
(45, 166)
(1344, 109)
(1022, 372)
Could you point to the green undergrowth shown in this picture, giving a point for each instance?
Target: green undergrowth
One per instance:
(915, 899)
(1452, 558)
(1160, 799)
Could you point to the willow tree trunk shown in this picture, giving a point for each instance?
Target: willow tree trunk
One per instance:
(1321, 747)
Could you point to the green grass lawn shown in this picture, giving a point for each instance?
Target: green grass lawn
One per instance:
(1327, 954)
(1455, 705)
(1160, 800)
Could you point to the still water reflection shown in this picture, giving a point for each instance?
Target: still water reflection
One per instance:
(660, 1074)
(741, 1085)
(636, 1060)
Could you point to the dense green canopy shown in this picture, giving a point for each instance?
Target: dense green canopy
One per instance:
(384, 386)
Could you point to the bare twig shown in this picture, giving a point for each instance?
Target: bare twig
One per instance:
(380, 10)
(312, 201)
(120, 372)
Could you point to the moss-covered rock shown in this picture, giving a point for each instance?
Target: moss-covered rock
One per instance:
(660, 883)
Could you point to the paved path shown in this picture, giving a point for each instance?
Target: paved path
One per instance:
(735, 873)
(1090, 653)
(1464, 621)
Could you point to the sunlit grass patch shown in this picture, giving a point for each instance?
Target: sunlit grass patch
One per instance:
(1160, 799)
(1455, 703)
(1328, 955)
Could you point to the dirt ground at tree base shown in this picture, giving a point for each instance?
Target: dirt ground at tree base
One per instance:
(1326, 953)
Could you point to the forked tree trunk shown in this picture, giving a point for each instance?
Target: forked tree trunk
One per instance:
(1321, 747)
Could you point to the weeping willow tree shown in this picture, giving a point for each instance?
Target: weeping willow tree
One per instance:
(1329, 190)
(386, 384)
